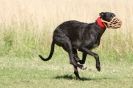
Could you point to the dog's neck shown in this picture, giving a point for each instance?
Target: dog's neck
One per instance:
(100, 23)
(101, 26)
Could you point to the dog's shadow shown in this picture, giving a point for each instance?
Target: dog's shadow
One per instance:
(71, 77)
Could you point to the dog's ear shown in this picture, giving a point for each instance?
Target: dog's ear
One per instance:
(101, 14)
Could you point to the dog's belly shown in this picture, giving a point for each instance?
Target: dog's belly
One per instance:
(76, 44)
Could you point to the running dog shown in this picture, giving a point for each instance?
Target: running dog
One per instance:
(74, 35)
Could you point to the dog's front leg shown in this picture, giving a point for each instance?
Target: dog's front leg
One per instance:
(83, 58)
(78, 60)
(85, 50)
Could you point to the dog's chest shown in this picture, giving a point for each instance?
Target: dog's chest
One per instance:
(95, 45)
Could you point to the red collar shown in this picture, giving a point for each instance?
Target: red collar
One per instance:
(100, 23)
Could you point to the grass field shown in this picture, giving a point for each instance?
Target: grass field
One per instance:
(26, 28)
(33, 73)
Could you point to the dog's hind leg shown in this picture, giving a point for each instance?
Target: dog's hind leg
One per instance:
(75, 55)
(68, 47)
(76, 72)
(65, 43)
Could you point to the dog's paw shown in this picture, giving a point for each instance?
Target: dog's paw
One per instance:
(84, 67)
(98, 67)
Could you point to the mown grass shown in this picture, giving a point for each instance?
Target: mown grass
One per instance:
(57, 73)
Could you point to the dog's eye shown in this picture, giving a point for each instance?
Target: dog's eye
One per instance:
(102, 14)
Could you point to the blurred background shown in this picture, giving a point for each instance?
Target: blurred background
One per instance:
(26, 26)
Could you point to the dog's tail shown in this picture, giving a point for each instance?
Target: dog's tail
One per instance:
(51, 53)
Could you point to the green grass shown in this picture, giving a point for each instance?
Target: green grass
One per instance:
(58, 73)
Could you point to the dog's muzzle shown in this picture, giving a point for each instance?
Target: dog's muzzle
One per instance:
(114, 23)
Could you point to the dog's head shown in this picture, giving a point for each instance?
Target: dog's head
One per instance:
(110, 20)
(107, 16)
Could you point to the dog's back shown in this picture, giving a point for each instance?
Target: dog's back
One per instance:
(77, 32)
